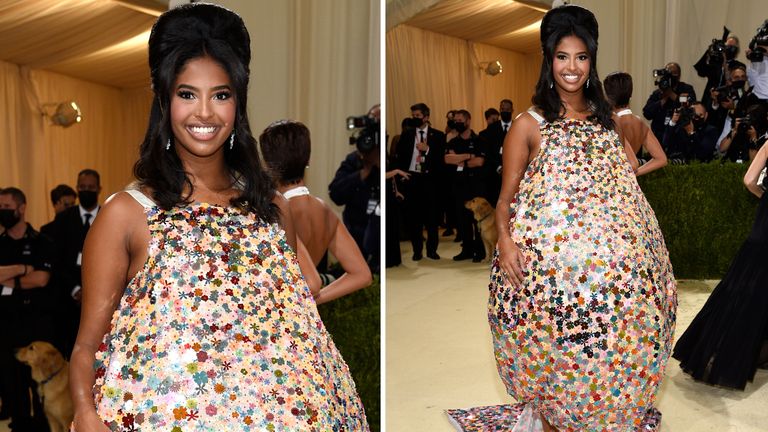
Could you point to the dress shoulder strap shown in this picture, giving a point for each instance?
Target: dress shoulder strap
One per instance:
(536, 115)
(141, 198)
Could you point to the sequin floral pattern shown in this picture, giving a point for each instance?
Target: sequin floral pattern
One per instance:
(587, 336)
(219, 332)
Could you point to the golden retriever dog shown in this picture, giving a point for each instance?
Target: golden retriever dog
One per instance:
(485, 215)
(51, 373)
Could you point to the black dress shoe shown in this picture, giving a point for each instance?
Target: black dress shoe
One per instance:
(449, 232)
(433, 255)
(416, 256)
(463, 256)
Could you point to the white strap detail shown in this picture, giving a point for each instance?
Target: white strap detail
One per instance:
(141, 198)
(536, 115)
(297, 191)
(625, 111)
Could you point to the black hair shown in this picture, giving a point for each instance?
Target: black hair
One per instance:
(759, 117)
(286, 147)
(491, 111)
(465, 113)
(405, 123)
(421, 107)
(618, 88)
(61, 191)
(182, 34)
(90, 172)
(16, 194)
(560, 22)
(508, 101)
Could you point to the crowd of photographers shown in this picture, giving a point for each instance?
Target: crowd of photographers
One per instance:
(730, 120)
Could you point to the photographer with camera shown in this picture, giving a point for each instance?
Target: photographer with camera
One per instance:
(726, 98)
(356, 186)
(688, 136)
(747, 135)
(671, 93)
(715, 62)
(757, 70)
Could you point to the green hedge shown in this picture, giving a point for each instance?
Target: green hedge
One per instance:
(354, 323)
(705, 213)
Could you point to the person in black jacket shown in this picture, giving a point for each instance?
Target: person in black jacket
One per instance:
(356, 187)
(662, 102)
(27, 309)
(714, 66)
(493, 136)
(691, 139)
(420, 154)
(69, 230)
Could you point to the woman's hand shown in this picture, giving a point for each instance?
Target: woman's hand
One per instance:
(511, 262)
(88, 422)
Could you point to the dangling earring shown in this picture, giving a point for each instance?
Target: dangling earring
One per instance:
(232, 140)
(168, 144)
(551, 84)
(587, 82)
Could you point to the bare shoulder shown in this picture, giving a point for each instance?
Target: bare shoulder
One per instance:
(121, 208)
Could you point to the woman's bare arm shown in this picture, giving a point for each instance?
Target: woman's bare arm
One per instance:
(357, 274)
(652, 146)
(516, 152)
(116, 247)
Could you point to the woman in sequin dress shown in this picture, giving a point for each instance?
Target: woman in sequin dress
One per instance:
(195, 313)
(582, 296)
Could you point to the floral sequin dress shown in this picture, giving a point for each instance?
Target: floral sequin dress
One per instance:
(586, 338)
(219, 332)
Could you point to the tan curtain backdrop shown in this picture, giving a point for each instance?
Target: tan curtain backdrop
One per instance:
(637, 36)
(42, 155)
(315, 62)
(445, 73)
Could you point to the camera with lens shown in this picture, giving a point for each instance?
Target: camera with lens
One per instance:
(686, 115)
(760, 38)
(367, 133)
(726, 92)
(716, 52)
(663, 78)
(744, 124)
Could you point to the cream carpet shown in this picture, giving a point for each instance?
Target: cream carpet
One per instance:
(439, 353)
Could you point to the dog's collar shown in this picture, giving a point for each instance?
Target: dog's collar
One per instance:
(45, 381)
(486, 216)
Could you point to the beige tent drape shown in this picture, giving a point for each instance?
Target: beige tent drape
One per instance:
(41, 155)
(445, 73)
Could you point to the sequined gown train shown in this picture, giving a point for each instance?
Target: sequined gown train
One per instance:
(218, 332)
(586, 339)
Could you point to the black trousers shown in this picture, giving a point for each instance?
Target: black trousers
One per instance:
(421, 210)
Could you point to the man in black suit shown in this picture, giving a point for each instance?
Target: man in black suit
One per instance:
(69, 230)
(62, 198)
(420, 153)
(493, 136)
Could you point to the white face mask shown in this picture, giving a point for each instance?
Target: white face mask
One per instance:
(683, 99)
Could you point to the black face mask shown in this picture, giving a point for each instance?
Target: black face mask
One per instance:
(506, 116)
(460, 127)
(9, 218)
(416, 122)
(738, 85)
(452, 124)
(698, 121)
(87, 198)
(675, 81)
(731, 51)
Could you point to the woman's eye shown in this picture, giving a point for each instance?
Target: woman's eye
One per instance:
(222, 96)
(583, 57)
(561, 57)
(185, 94)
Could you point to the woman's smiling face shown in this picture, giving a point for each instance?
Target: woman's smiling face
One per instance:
(571, 64)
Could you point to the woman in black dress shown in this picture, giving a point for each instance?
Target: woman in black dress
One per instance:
(728, 339)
